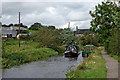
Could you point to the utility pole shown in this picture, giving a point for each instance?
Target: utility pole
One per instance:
(19, 29)
(69, 25)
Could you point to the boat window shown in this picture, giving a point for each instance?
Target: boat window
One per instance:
(71, 48)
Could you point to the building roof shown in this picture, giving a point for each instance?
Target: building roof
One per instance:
(81, 31)
(5, 28)
(13, 28)
(17, 28)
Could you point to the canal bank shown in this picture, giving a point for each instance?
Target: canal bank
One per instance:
(26, 56)
(28, 52)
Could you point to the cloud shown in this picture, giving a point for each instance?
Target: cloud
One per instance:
(48, 13)
(51, 0)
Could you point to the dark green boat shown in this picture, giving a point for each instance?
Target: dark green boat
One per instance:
(71, 51)
(87, 50)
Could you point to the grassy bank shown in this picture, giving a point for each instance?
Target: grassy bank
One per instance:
(28, 52)
(92, 67)
(26, 56)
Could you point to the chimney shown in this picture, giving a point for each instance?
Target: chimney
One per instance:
(76, 28)
(69, 25)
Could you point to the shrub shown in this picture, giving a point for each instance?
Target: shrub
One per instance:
(25, 37)
(47, 37)
(61, 49)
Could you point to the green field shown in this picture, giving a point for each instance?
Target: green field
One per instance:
(12, 46)
(92, 67)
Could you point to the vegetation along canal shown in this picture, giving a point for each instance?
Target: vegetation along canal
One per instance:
(54, 67)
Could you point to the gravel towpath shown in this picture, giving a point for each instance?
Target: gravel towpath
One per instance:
(111, 64)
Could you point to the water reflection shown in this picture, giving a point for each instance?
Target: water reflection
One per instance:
(72, 58)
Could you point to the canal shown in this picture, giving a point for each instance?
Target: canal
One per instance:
(54, 67)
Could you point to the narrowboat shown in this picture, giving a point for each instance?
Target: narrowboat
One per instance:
(71, 51)
(87, 50)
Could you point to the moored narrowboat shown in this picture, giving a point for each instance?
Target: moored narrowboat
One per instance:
(71, 51)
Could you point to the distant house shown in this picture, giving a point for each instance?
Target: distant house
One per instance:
(80, 32)
(10, 32)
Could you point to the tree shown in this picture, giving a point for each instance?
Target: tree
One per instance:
(17, 25)
(106, 22)
(67, 36)
(51, 27)
(35, 26)
(103, 19)
(4, 25)
(21, 25)
(47, 37)
(10, 25)
(89, 38)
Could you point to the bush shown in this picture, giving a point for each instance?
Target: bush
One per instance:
(47, 37)
(61, 49)
(90, 39)
(25, 37)
(112, 43)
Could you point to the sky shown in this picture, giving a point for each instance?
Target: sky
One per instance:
(53, 13)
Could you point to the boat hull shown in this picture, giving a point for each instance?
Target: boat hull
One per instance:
(71, 54)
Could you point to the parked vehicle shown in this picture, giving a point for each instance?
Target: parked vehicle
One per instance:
(87, 50)
(71, 51)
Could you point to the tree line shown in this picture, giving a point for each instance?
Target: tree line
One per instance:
(34, 26)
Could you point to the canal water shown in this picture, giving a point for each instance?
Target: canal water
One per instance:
(54, 67)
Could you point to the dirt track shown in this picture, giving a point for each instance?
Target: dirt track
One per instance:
(111, 64)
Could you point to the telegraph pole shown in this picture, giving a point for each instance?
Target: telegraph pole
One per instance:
(19, 29)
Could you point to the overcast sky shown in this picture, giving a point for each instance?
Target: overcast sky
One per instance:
(49, 13)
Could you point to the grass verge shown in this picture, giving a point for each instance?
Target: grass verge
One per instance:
(13, 55)
(26, 56)
(92, 67)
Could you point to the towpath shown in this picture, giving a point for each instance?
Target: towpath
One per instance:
(111, 64)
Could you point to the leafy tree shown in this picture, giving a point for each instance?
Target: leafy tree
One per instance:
(103, 19)
(21, 25)
(89, 38)
(35, 26)
(51, 27)
(106, 22)
(17, 25)
(4, 25)
(67, 36)
(10, 25)
(47, 37)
